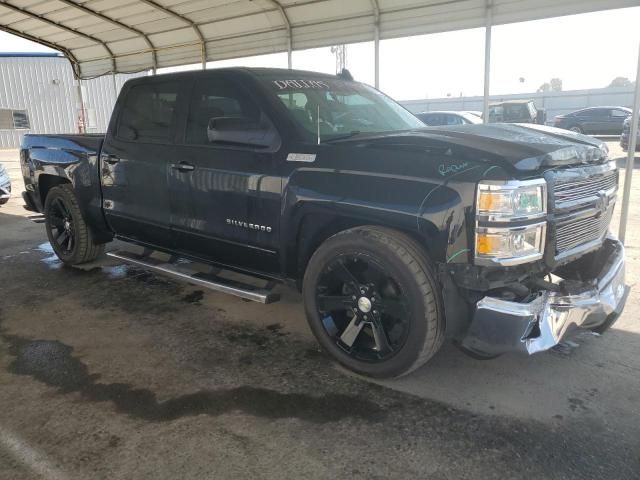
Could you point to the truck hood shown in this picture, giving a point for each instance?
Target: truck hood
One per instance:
(523, 147)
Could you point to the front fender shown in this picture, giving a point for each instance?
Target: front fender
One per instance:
(328, 198)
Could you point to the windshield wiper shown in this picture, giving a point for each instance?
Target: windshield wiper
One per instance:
(342, 137)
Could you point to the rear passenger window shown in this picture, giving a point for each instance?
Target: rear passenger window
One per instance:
(619, 113)
(216, 99)
(149, 112)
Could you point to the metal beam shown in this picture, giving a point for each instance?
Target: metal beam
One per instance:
(287, 23)
(487, 61)
(62, 27)
(192, 24)
(117, 24)
(376, 42)
(75, 65)
(631, 156)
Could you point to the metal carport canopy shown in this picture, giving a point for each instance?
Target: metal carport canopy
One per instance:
(120, 36)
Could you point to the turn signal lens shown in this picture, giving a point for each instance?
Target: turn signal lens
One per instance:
(486, 244)
(510, 245)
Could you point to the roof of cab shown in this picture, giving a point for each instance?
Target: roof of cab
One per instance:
(252, 71)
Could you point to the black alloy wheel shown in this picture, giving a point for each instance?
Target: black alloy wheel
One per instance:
(373, 301)
(68, 233)
(61, 225)
(362, 308)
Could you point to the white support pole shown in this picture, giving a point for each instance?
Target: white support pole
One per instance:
(80, 109)
(633, 135)
(289, 52)
(376, 53)
(487, 62)
(115, 87)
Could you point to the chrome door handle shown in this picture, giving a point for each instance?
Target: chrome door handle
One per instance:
(183, 166)
(111, 159)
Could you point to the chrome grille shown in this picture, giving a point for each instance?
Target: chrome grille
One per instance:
(581, 232)
(584, 200)
(579, 189)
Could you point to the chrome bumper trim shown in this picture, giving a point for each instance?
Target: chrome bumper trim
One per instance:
(499, 326)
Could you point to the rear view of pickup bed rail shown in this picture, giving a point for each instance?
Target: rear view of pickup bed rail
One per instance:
(399, 236)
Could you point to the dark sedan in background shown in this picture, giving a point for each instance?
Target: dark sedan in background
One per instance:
(5, 185)
(594, 120)
(434, 119)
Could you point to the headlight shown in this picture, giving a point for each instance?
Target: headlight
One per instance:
(512, 201)
(510, 222)
(510, 245)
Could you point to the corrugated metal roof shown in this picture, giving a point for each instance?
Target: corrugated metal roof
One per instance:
(104, 36)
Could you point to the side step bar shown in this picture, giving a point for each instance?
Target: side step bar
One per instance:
(214, 282)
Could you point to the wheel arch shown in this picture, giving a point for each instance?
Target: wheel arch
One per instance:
(46, 182)
(314, 228)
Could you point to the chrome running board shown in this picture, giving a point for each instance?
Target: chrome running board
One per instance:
(208, 280)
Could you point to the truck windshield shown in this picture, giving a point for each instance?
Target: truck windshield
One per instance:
(344, 107)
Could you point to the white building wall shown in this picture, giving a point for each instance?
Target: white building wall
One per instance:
(46, 89)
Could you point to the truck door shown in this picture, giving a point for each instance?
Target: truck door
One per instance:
(224, 194)
(135, 156)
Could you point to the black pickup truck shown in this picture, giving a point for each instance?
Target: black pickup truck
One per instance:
(399, 236)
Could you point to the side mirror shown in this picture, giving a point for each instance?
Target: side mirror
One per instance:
(127, 132)
(241, 131)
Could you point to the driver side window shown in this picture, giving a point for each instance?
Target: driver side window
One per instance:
(215, 99)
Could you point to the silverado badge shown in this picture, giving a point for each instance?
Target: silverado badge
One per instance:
(248, 226)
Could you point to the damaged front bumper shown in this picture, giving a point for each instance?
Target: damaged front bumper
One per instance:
(501, 326)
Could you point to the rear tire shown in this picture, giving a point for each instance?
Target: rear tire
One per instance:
(373, 302)
(67, 231)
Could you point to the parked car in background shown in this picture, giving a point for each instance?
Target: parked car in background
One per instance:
(626, 134)
(5, 185)
(434, 119)
(516, 111)
(594, 120)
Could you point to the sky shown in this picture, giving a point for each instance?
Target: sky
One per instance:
(585, 51)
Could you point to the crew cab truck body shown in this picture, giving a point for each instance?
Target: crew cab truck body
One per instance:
(399, 236)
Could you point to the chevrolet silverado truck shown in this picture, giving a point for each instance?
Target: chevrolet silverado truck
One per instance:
(399, 236)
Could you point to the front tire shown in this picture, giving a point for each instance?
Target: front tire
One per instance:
(67, 231)
(373, 302)
(576, 129)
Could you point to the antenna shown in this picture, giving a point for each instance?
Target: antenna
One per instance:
(318, 123)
